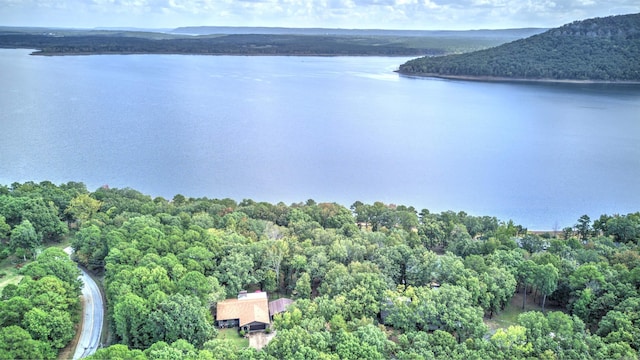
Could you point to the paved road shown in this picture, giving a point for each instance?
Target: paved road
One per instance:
(93, 316)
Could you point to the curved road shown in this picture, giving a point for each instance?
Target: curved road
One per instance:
(93, 316)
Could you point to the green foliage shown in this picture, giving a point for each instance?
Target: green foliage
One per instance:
(447, 308)
(511, 343)
(303, 286)
(24, 239)
(167, 263)
(17, 343)
(235, 272)
(54, 261)
(624, 228)
(89, 247)
(500, 285)
(546, 280)
(180, 317)
(595, 49)
(5, 229)
(343, 43)
(37, 315)
(117, 351)
(44, 215)
(82, 208)
(130, 317)
(53, 327)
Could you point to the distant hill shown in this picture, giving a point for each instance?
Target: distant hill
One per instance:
(599, 49)
(255, 41)
(510, 34)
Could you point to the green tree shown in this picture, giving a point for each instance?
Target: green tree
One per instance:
(303, 286)
(583, 227)
(501, 286)
(54, 261)
(375, 337)
(587, 275)
(90, 248)
(361, 286)
(17, 343)
(45, 219)
(24, 239)
(5, 229)
(48, 293)
(82, 208)
(349, 347)
(546, 281)
(130, 316)
(617, 326)
(294, 343)
(222, 349)
(448, 308)
(538, 331)
(235, 272)
(512, 343)
(53, 327)
(275, 253)
(622, 228)
(196, 284)
(13, 308)
(181, 317)
(117, 351)
(526, 274)
(532, 243)
(179, 349)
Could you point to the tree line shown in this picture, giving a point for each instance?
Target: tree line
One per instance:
(38, 316)
(604, 49)
(242, 44)
(372, 281)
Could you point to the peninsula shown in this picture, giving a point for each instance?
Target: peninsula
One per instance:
(255, 41)
(594, 50)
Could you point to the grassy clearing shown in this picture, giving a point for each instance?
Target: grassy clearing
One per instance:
(8, 265)
(11, 276)
(232, 335)
(509, 316)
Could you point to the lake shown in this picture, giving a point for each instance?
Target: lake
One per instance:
(331, 129)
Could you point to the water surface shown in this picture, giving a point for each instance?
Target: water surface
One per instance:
(331, 129)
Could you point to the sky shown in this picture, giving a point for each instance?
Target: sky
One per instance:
(347, 14)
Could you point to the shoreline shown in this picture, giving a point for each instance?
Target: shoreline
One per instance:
(516, 80)
(47, 53)
(52, 54)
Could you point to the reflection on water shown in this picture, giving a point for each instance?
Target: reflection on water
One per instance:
(332, 129)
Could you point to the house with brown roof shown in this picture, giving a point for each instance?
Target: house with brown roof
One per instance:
(278, 306)
(250, 311)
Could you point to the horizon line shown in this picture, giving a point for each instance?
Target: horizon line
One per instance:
(130, 28)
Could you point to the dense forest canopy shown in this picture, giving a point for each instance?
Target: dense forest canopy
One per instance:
(372, 281)
(604, 49)
(300, 42)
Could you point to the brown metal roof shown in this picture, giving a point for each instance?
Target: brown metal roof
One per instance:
(247, 310)
(278, 306)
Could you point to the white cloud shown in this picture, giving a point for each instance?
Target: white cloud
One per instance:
(416, 14)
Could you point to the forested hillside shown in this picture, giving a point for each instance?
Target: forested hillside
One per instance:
(601, 49)
(372, 281)
(256, 41)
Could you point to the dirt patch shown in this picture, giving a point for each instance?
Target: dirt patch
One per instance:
(258, 340)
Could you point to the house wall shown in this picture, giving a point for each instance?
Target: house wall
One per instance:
(256, 326)
(228, 323)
